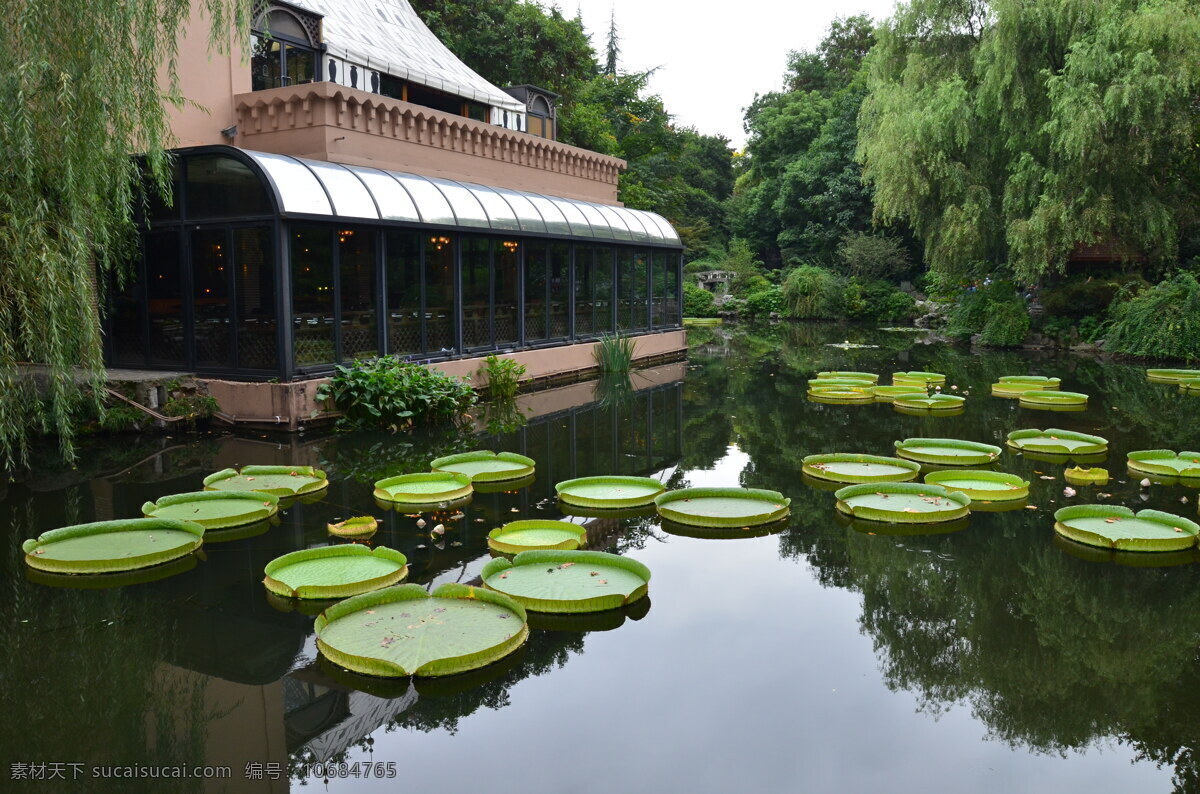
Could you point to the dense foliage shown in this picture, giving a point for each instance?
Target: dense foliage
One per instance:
(503, 376)
(1160, 322)
(394, 395)
(995, 311)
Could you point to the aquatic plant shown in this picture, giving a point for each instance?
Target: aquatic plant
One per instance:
(919, 379)
(568, 581)
(848, 468)
(357, 527)
(840, 394)
(392, 394)
(485, 465)
(869, 377)
(921, 401)
(947, 451)
(722, 507)
(503, 376)
(278, 480)
(614, 352)
(1081, 476)
(459, 628)
(1165, 462)
(424, 487)
(903, 503)
(1055, 441)
(1171, 375)
(1118, 527)
(1053, 399)
(109, 546)
(994, 486)
(534, 533)
(334, 571)
(609, 492)
(215, 509)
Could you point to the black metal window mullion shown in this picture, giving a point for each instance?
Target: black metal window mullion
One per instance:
(381, 294)
(456, 275)
(335, 252)
(422, 266)
(571, 304)
(522, 263)
(284, 332)
(491, 313)
(187, 291)
(231, 354)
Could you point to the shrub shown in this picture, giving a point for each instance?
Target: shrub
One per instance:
(872, 256)
(813, 293)
(995, 312)
(614, 353)
(1079, 297)
(697, 302)
(764, 302)
(503, 376)
(393, 394)
(1160, 322)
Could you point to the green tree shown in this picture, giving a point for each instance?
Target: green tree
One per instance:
(80, 84)
(1014, 131)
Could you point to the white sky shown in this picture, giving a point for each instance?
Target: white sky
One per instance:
(714, 56)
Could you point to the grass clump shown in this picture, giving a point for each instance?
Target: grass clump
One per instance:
(813, 293)
(392, 394)
(1160, 322)
(503, 376)
(996, 312)
(614, 353)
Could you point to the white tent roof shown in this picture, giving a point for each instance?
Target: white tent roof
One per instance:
(387, 35)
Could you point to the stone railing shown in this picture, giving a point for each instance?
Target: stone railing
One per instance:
(326, 121)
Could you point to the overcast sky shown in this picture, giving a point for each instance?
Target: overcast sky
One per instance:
(714, 57)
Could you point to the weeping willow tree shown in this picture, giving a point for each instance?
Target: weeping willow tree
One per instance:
(83, 86)
(1011, 131)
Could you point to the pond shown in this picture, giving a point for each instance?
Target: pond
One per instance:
(821, 657)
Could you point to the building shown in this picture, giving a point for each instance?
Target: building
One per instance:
(347, 188)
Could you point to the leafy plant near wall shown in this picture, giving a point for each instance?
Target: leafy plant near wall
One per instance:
(395, 395)
(1161, 322)
(188, 402)
(503, 376)
(614, 353)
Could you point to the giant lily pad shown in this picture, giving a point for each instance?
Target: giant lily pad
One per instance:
(402, 631)
(885, 394)
(947, 451)
(1190, 385)
(108, 546)
(1081, 476)
(1057, 442)
(722, 507)
(486, 466)
(862, 383)
(844, 395)
(992, 486)
(278, 480)
(568, 581)
(1016, 385)
(869, 377)
(609, 492)
(242, 532)
(105, 581)
(868, 527)
(215, 509)
(723, 533)
(425, 488)
(1132, 559)
(1118, 527)
(918, 378)
(1171, 375)
(846, 468)
(535, 533)
(903, 503)
(600, 512)
(1165, 463)
(920, 401)
(505, 486)
(356, 527)
(607, 620)
(334, 571)
(1054, 400)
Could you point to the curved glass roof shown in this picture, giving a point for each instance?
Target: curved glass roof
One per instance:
(315, 187)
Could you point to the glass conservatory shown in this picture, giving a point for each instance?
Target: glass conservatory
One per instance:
(269, 266)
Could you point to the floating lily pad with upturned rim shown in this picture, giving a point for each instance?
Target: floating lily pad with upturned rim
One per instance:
(870, 377)
(885, 394)
(1118, 527)
(402, 631)
(1190, 385)
(536, 534)
(824, 382)
(1016, 385)
(599, 512)
(1132, 559)
(215, 509)
(867, 527)
(590, 621)
(334, 571)
(848, 468)
(357, 527)
(1171, 375)
(110, 546)
(1081, 476)
(232, 534)
(947, 451)
(1165, 462)
(105, 581)
(920, 401)
(612, 492)
(424, 488)
(723, 533)
(431, 508)
(992, 486)
(903, 503)
(486, 466)
(842, 394)
(568, 581)
(918, 378)
(1057, 442)
(504, 486)
(1053, 399)
(722, 507)
(278, 480)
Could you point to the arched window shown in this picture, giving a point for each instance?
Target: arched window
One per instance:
(283, 50)
(539, 118)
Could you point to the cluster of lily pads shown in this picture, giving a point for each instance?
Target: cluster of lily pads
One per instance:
(909, 392)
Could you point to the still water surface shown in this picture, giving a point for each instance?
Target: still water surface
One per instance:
(818, 658)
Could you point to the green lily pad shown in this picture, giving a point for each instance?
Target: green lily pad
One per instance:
(869, 377)
(902, 330)
(1190, 385)
(1171, 375)
(918, 378)
(903, 503)
(921, 401)
(108, 546)
(723, 533)
(986, 506)
(486, 466)
(867, 527)
(841, 395)
(1118, 527)
(608, 620)
(215, 509)
(357, 527)
(1053, 399)
(1016, 385)
(402, 631)
(885, 394)
(505, 486)
(1057, 442)
(722, 507)
(847, 468)
(334, 571)
(993, 486)
(105, 581)
(278, 480)
(425, 488)
(861, 383)
(427, 507)
(1081, 476)
(231, 534)
(1165, 462)
(536, 533)
(947, 451)
(609, 492)
(568, 581)
(1132, 559)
